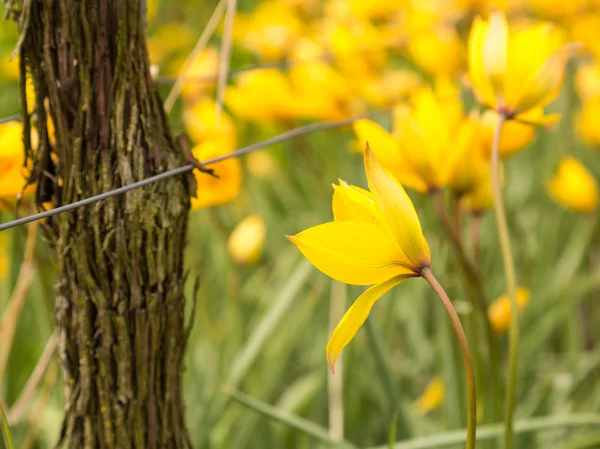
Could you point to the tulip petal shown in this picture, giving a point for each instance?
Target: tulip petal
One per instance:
(477, 75)
(397, 212)
(352, 252)
(545, 84)
(355, 317)
(494, 52)
(351, 203)
(536, 117)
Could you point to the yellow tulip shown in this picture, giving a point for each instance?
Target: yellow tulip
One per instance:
(376, 238)
(269, 31)
(261, 164)
(213, 191)
(200, 74)
(574, 187)
(587, 81)
(514, 137)
(201, 123)
(247, 240)
(432, 397)
(390, 87)
(437, 51)
(560, 10)
(480, 197)
(261, 95)
(516, 72)
(587, 122)
(473, 167)
(423, 150)
(169, 40)
(584, 28)
(499, 310)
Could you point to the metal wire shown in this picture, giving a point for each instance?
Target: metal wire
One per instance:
(313, 127)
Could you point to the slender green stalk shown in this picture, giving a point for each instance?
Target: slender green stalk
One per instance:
(466, 353)
(477, 297)
(5, 429)
(511, 287)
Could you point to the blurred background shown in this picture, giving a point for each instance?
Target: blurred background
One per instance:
(264, 315)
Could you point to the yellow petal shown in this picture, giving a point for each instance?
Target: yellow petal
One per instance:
(477, 74)
(499, 309)
(536, 117)
(515, 134)
(574, 187)
(544, 85)
(494, 52)
(352, 252)
(432, 397)
(356, 315)
(397, 212)
(351, 203)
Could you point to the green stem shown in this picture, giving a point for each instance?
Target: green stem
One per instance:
(477, 296)
(466, 353)
(511, 287)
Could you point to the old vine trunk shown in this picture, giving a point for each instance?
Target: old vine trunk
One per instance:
(97, 123)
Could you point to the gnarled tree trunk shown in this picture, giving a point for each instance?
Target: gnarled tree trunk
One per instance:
(119, 295)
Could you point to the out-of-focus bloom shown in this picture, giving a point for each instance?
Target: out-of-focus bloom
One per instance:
(357, 46)
(376, 10)
(423, 149)
(499, 310)
(269, 31)
(587, 81)
(376, 238)
(473, 167)
(200, 75)
(390, 87)
(213, 191)
(516, 73)
(558, 10)
(261, 95)
(574, 187)
(169, 40)
(201, 123)
(12, 179)
(587, 122)
(584, 28)
(247, 240)
(261, 164)
(514, 137)
(432, 397)
(480, 198)
(437, 51)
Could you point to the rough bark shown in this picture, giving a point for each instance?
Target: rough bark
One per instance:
(119, 294)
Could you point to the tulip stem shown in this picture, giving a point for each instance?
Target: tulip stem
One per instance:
(477, 296)
(511, 286)
(466, 354)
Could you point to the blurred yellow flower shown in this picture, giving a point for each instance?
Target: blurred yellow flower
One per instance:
(574, 187)
(473, 168)
(376, 238)
(587, 122)
(437, 51)
(200, 75)
(432, 397)
(587, 80)
(390, 87)
(213, 191)
(167, 41)
(423, 149)
(261, 95)
(584, 28)
(559, 10)
(269, 31)
(201, 123)
(515, 73)
(499, 310)
(261, 164)
(11, 160)
(247, 240)
(480, 198)
(514, 137)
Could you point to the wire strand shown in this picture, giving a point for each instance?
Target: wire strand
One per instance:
(286, 135)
